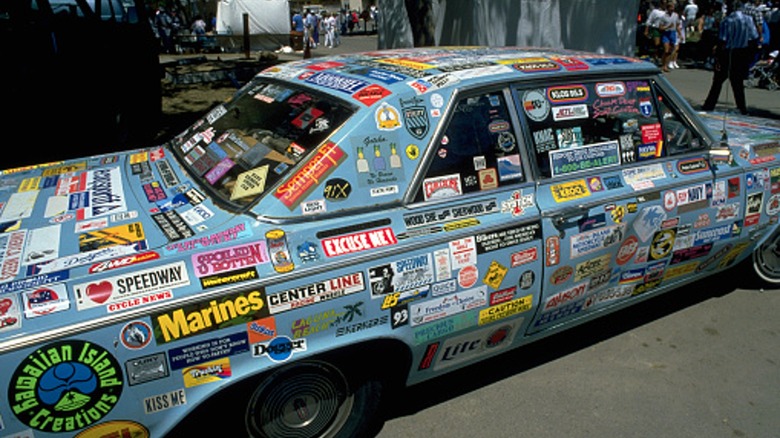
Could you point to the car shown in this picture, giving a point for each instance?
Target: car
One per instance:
(351, 224)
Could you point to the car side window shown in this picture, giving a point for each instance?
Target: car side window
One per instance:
(581, 127)
(679, 137)
(477, 151)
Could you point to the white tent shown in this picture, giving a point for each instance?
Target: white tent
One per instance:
(268, 22)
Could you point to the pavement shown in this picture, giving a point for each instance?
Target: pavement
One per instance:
(692, 82)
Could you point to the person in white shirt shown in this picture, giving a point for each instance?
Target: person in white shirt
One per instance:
(652, 31)
(330, 30)
(690, 12)
(671, 29)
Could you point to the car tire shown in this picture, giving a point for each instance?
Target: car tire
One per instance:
(313, 399)
(766, 259)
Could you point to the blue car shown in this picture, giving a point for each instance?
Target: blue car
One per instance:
(348, 224)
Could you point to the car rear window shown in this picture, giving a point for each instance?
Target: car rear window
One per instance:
(242, 148)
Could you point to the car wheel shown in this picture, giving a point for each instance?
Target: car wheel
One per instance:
(312, 399)
(766, 259)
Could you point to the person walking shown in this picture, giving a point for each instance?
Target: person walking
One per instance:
(652, 32)
(309, 21)
(754, 10)
(164, 23)
(297, 22)
(690, 12)
(671, 28)
(736, 36)
(330, 30)
(198, 28)
(708, 43)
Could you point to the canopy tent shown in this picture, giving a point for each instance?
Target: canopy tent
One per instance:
(268, 21)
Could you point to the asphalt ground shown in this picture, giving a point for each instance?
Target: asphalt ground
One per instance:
(701, 361)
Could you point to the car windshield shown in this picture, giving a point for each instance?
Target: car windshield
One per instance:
(244, 147)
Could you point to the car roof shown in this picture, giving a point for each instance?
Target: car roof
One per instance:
(439, 68)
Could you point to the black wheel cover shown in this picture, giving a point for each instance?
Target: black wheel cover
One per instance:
(309, 399)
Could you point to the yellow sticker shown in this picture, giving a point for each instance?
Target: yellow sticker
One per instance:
(125, 234)
(28, 184)
(412, 151)
(407, 63)
(495, 274)
(570, 190)
(139, 157)
(678, 270)
(505, 310)
(592, 267)
(250, 183)
(63, 169)
(207, 372)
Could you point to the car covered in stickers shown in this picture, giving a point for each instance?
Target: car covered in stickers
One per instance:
(348, 224)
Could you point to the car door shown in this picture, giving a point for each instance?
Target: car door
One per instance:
(622, 194)
(475, 188)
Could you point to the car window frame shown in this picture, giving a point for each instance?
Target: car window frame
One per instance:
(252, 207)
(679, 107)
(416, 184)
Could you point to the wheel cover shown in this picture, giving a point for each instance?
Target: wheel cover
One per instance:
(766, 259)
(301, 401)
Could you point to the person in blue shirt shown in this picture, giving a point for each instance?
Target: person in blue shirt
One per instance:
(297, 22)
(737, 38)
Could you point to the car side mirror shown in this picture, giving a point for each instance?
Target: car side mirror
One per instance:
(720, 155)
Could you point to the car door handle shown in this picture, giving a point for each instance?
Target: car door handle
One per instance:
(561, 218)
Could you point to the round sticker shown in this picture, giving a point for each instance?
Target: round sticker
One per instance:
(627, 250)
(670, 200)
(337, 189)
(506, 141)
(412, 151)
(467, 276)
(65, 386)
(663, 242)
(536, 105)
(136, 335)
(436, 100)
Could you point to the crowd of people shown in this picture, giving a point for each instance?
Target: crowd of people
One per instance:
(669, 29)
(168, 24)
(321, 28)
(727, 37)
(329, 26)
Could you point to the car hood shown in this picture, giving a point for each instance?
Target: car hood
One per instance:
(62, 220)
(742, 131)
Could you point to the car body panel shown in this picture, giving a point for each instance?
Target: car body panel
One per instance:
(443, 215)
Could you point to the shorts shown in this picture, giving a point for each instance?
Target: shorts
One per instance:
(669, 37)
(654, 33)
